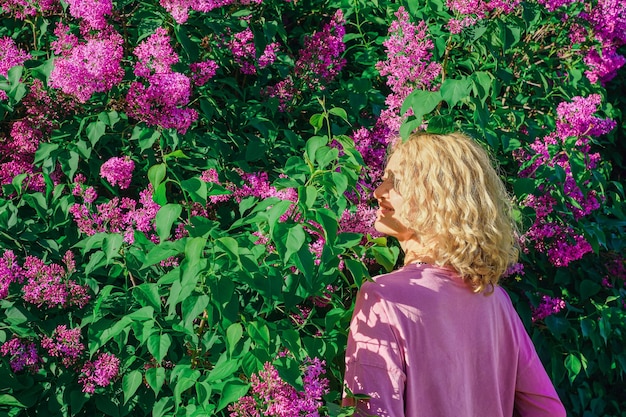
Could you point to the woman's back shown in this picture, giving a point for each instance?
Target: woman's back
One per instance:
(422, 343)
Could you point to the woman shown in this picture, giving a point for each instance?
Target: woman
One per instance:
(439, 337)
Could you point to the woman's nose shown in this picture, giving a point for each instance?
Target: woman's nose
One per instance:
(380, 190)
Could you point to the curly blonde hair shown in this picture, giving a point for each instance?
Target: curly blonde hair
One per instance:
(457, 205)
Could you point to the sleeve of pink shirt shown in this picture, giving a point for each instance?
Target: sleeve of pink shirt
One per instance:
(374, 365)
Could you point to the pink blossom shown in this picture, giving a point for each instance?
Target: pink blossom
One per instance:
(321, 58)
(408, 65)
(50, 285)
(118, 171)
(201, 72)
(22, 354)
(10, 272)
(22, 9)
(93, 12)
(273, 397)
(101, 372)
(552, 5)
(10, 55)
(65, 344)
(155, 55)
(162, 102)
(547, 307)
(89, 67)
(481, 8)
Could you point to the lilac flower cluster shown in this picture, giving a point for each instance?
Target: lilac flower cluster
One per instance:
(115, 216)
(320, 59)
(408, 65)
(10, 56)
(201, 72)
(179, 9)
(273, 397)
(92, 12)
(481, 8)
(319, 63)
(244, 52)
(65, 344)
(99, 372)
(22, 355)
(10, 272)
(23, 9)
(50, 285)
(547, 307)
(552, 5)
(118, 171)
(548, 234)
(608, 19)
(17, 152)
(162, 101)
(87, 67)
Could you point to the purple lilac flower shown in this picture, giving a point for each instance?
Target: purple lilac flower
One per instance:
(575, 119)
(93, 12)
(201, 72)
(408, 65)
(118, 171)
(515, 269)
(23, 9)
(50, 286)
(118, 216)
(243, 50)
(10, 55)
(90, 67)
(258, 185)
(22, 355)
(273, 397)
(155, 55)
(320, 59)
(481, 8)
(65, 344)
(10, 272)
(608, 20)
(552, 5)
(162, 102)
(547, 307)
(99, 373)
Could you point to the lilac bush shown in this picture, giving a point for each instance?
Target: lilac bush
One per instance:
(186, 187)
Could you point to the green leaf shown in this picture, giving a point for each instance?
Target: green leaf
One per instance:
(337, 111)
(232, 391)
(296, 236)
(111, 245)
(422, 102)
(313, 144)
(165, 218)
(155, 377)
(95, 130)
(156, 174)
(147, 294)
(158, 346)
(196, 188)
(573, 366)
(10, 401)
(193, 306)
(233, 335)
(130, 383)
(317, 121)
(452, 91)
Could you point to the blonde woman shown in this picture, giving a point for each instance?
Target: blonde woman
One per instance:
(439, 337)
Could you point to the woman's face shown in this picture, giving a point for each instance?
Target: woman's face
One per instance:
(390, 201)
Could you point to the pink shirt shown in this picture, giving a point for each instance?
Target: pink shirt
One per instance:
(422, 344)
